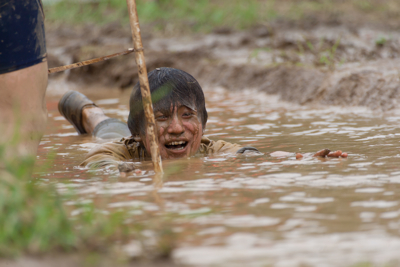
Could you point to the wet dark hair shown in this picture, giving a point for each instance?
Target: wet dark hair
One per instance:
(167, 86)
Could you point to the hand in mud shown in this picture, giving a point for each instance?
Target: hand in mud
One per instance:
(325, 153)
(337, 153)
(127, 167)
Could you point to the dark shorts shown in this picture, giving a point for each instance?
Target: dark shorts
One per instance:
(22, 36)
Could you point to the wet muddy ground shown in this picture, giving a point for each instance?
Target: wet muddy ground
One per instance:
(254, 210)
(320, 64)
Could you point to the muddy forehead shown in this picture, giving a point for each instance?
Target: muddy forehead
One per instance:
(168, 108)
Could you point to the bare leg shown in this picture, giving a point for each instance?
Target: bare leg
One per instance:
(23, 113)
(91, 117)
(87, 118)
(99, 125)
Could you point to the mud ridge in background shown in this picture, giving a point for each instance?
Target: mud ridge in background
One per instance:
(328, 65)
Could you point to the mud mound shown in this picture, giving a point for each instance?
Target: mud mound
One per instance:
(122, 72)
(375, 85)
(326, 65)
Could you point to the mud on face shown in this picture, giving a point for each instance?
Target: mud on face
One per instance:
(179, 131)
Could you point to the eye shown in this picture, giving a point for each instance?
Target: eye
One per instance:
(161, 117)
(187, 114)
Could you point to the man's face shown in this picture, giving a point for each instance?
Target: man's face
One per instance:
(179, 132)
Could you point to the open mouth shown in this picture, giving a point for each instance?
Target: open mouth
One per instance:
(177, 145)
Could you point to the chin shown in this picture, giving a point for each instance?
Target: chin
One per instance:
(166, 155)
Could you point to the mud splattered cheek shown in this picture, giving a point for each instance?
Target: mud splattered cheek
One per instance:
(190, 127)
(193, 126)
(160, 130)
(196, 130)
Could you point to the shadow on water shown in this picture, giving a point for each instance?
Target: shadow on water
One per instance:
(256, 209)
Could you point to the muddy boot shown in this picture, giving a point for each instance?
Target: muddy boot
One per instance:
(71, 106)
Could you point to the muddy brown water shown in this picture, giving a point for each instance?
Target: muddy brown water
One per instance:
(256, 210)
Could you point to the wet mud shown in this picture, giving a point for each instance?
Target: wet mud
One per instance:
(324, 64)
(250, 210)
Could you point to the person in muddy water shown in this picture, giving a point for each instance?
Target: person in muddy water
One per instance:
(180, 114)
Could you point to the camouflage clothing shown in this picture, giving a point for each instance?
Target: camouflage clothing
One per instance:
(127, 149)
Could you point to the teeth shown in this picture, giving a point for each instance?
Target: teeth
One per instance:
(176, 143)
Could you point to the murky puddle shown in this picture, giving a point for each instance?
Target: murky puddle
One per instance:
(256, 210)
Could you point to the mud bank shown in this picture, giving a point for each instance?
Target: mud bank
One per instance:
(322, 65)
(78, 260)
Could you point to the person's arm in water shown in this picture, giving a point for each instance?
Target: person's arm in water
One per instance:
(324, 153)
(209, 147)
(110, 154)
(320, 154)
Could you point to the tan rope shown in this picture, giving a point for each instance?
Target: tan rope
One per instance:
(91, 61)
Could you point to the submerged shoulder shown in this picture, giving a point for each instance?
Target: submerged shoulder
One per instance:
(120, 150)
(209, 147)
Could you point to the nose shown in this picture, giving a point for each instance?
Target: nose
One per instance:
(176, 126)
